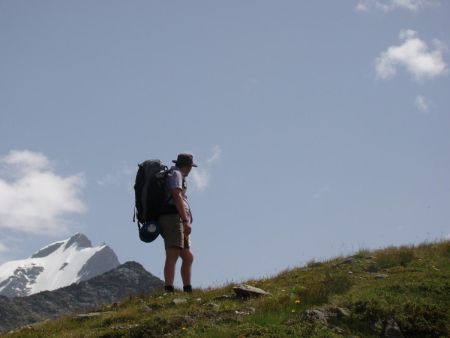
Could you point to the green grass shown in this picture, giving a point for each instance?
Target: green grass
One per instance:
(408, 285)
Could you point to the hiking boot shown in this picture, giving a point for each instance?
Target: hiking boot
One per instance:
(187, 288)
(169, 288)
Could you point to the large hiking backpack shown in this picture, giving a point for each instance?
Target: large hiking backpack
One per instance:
(150, 197)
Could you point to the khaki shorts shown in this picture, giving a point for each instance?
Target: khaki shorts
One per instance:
(172, 232)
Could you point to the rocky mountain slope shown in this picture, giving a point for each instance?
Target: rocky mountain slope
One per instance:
(56, 265)
(127, 279)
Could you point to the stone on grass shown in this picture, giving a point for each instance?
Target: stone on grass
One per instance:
(342, 313)
(391, 329)
(328, 315)
(337, 330)
(88, 315)
(347, 261)
(213, 305)
(317, 315)
(246, 291)
(124, 327)
(245, 312)
(178, 301)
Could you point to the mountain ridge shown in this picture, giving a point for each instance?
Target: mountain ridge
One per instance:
(126, 280)
(56, 265)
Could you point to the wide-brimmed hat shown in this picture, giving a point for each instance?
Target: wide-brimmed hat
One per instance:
(185, 160)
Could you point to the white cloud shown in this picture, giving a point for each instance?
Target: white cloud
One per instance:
(3, 248)
(201, 176)
(216, 153)
(390, 5)
(422, 103)
(26, 160)
(33, 198)
(413, 55)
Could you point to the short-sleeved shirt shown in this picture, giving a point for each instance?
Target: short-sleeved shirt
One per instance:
(175, 181)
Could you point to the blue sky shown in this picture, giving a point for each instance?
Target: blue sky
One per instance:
(320, 127)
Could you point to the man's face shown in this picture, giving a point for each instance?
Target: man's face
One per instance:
(185, 170)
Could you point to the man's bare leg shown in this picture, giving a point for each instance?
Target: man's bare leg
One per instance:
(186, 266)
(172, 255)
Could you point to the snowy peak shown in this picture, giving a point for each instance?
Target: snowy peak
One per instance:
(56, 265)
(79, 240)
(47, 250)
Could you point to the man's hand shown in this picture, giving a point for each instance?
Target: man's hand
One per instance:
(178, 200)
(187, 228)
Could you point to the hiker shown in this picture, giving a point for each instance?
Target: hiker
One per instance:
(176, 225)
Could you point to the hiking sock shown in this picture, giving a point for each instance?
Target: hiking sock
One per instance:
(169, 288)
(187, 288)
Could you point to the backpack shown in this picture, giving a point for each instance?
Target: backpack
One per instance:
(150, 194)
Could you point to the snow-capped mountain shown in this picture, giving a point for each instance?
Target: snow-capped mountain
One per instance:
(111, 287)
(56, 265)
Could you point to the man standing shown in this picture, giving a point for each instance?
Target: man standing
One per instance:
(176, 223)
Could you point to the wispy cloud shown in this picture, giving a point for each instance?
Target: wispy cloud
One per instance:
(322, 191)
(34, 199)
(118, 177)
(216, 153)
(390, 5)
(413, 55)
(422, 103)
(3, 248)
(201, 178)
(202, 175)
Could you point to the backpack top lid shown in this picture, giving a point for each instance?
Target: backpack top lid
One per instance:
(151, 167)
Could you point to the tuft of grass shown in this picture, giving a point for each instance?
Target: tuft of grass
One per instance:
(362, 253)
(319, 293)
(391, 257)
(445, 249)
(313, 263)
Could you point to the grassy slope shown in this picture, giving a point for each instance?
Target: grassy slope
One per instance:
(414, 290)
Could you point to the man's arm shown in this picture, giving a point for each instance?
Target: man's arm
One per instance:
(179, 203)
